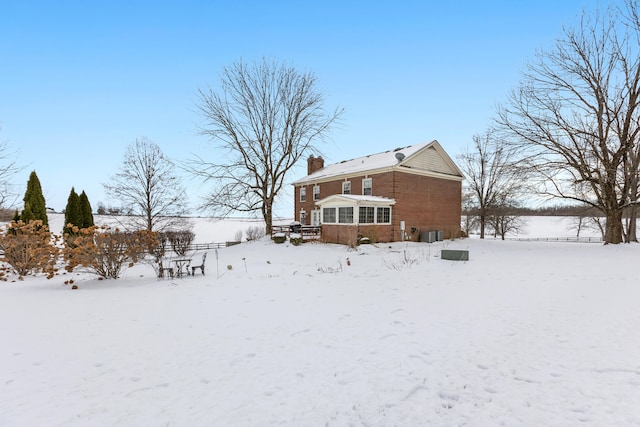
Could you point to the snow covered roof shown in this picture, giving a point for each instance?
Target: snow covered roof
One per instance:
(425, 157)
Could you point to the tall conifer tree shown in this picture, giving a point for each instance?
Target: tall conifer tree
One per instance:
(85, 211)
(35, 207)
(72, 213)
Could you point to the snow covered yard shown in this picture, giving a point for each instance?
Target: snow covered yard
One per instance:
(535, 334)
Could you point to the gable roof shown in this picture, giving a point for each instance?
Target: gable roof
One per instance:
(427, 158)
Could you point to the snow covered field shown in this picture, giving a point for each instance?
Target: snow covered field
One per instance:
(523, 334)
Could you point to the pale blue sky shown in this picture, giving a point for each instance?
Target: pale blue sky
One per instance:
(79, 80)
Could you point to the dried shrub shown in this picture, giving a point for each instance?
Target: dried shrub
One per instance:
(29, 248)
(403, 261)
(254, 233)
(331, 269)
(106, 252)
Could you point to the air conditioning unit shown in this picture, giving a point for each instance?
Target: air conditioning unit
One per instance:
(428, 236)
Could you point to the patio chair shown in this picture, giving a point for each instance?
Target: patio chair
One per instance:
(162, 270)
(201, 266)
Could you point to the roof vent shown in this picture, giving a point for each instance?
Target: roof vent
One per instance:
(399, 156)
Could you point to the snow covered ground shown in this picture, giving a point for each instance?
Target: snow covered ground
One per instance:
(523, 334)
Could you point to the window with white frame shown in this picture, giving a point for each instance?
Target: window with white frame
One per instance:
(345, 215)
(316, 192)
(366, 187)
(329, 215)
(383, 215)
(303, 194)
(346, 187)
(366, 214)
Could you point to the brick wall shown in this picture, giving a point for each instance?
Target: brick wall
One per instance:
(424, 203)
(427, 203)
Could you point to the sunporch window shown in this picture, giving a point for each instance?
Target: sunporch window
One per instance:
(329, 215)
(366, 214)
(383, 215)
(345, 215)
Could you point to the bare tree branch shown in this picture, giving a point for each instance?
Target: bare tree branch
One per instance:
(575, 117)
(8, 169)
(148, 185)
(264, 119)
(494, 180)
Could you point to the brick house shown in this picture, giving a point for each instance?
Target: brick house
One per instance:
(392, 196)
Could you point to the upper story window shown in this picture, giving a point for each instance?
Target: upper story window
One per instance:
(366, 187)
(346, 187)
(303, 194)
(316, 192)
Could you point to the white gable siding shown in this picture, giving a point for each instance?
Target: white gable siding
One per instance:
(430, 160)
(427, 157)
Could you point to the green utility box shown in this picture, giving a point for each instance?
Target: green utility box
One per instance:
(454, 255)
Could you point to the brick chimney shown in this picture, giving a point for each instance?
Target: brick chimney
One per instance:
(314, 164)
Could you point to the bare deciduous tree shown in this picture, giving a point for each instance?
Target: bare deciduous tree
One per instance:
(494, 181)
(264, 119)
(575, 116)
(469, 218)
(148, 184)
(505, 220)
(8, 169)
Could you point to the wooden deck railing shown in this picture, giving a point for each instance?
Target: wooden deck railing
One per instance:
(308, 232)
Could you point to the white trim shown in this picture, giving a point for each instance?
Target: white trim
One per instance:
(342, 199)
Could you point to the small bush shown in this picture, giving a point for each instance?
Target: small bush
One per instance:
(371, 234)
(279, 238)
(180, 240)
(404, 261)
(255, 233)
(295, 239)
(238, 236)
(331, 269)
